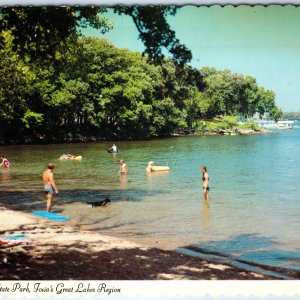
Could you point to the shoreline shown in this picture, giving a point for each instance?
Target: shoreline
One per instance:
(92, 139)
(62, 252)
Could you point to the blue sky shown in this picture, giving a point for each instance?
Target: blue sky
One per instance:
(263, 42)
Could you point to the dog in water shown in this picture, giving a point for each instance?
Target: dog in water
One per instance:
(101, 203)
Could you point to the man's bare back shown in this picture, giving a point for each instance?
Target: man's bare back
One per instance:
(49, 185)
(47, 177)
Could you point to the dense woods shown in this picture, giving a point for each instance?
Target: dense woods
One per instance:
(56, 85)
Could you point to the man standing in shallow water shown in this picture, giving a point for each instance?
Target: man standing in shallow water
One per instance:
(49, 185)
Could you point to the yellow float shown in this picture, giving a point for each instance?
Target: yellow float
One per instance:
(152, 168)
(70, 157)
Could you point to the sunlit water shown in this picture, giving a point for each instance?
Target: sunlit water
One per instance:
(253, 212)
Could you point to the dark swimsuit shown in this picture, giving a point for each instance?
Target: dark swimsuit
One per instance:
(207, 188)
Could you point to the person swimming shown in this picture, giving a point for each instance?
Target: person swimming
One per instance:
(150, 165)
(5, 162)
(123, 167)
(113, 149)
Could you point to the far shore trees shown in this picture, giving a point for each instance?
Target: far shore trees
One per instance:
(77, 88)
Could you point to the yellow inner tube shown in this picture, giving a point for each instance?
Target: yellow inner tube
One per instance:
(159, 168)
(71, 157)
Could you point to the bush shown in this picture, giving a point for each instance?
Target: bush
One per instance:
(223, 123)
(226, 123)
(250, 125)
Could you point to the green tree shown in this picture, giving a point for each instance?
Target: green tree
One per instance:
(128, 93)
(166, 118)
(15, 89)
(155, 32)
(40, 31)
(234, 94)
(266, 104)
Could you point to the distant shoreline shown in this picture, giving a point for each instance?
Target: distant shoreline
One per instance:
(176, 134)
(225, 132)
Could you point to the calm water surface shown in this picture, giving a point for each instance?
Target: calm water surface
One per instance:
(253, 213)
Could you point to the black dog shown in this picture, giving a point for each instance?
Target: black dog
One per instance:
(99, 203)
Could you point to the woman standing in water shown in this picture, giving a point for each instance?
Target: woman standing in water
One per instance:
(205, 180)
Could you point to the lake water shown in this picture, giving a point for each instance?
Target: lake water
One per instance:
(253, 213)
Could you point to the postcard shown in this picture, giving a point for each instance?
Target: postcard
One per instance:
(149, 150)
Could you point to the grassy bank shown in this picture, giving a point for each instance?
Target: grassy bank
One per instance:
(227, 125)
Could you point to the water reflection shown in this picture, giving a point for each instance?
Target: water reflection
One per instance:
(114, 155)
(5, 176)
(151, 176)
(123, 181)
(205, 215)
(251, 248)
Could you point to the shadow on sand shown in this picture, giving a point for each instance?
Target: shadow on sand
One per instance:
(78, 263)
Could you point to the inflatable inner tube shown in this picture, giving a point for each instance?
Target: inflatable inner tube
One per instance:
(111, 151)
(70, 157)
(152, 168)
(159, 168)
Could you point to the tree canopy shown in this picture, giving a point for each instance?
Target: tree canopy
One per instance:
(40, 31)
(236, 94)
(57, 85)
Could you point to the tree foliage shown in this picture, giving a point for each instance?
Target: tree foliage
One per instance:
(155, 32)
(41, 31)
(15, 88)
(234, 94)
(58, 86)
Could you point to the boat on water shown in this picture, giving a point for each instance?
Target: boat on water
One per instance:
(285, 124)
(269, 124)
(152, 168)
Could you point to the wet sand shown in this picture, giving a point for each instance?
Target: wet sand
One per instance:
(61, 252)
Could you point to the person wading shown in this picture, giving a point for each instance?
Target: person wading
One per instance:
(49, 185)
(5, 162)
(205, 181)
(123, 167)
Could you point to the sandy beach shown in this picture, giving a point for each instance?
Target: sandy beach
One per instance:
(62, 252)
